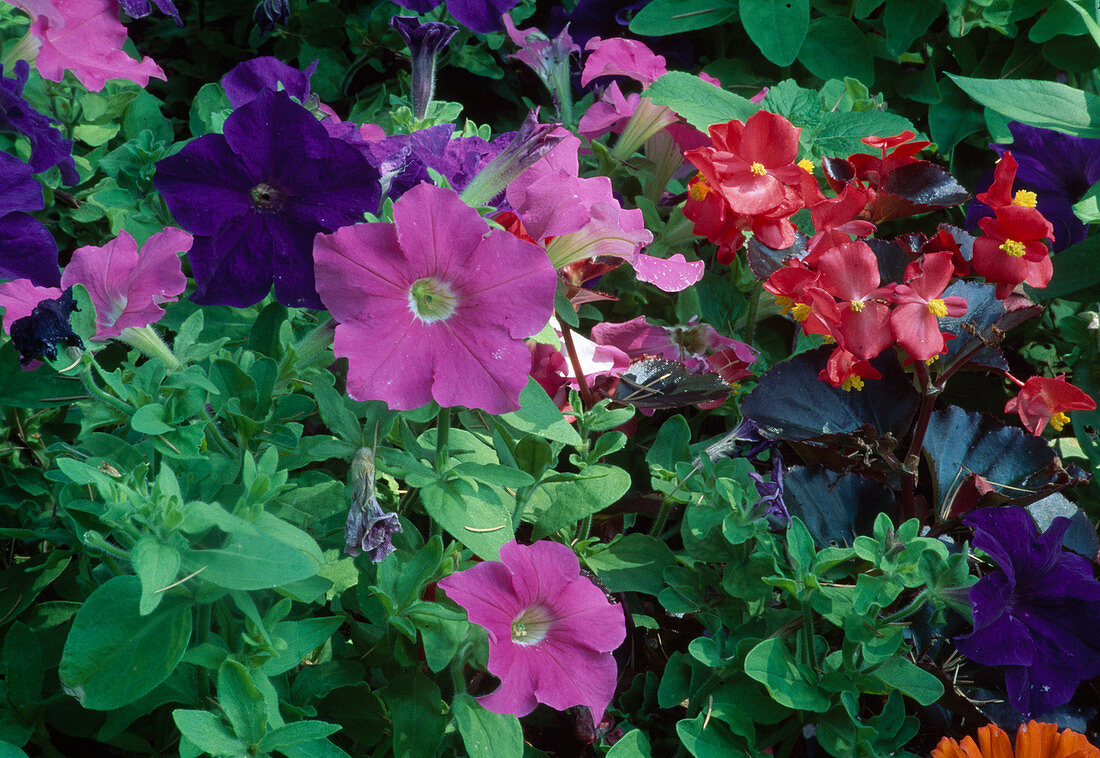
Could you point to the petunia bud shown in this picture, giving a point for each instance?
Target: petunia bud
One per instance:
(425, 41)
(532, 141)
(271, 13)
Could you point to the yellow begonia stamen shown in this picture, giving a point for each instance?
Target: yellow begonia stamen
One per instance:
(698, 188)
(758, 169)
(800, 312)
(857, 305)
(828, 339)
(1014, 248)
(1059, 420)
(937, 308)
(1026, 198)
(852, 383)
(931, 360)
(785, 303)
(806, 165)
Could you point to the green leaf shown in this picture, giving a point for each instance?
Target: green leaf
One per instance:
(539, 416)
(41, 388)
(301, 638)
(7, 750)
(156, 565)
(114, 655)
(443, 629)
(777, 28)
(295, 733)
(476, 518)
(589, 492)
(1048, 105)
(771, 664)
(835, 48)
(904, 675)
(241, 701)
(486, 734)
(634, 744)
(208, 733)
(494, 473)
(715, 741)
(416, 711)
(633, 563)
(1075, 268)
(662, 17)
(1088, 207)
(700, 103)
(906, 20)
(251, 562)
(149, 419)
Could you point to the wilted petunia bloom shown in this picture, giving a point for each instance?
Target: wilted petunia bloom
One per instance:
(434, 306)
(256, 195)
(48, 147)
(85, 37)
(368, 528)
(551, 631)
(1033, 740)
(29, 249)
(126, 288)
(1057, 168)
(1037, 614)
(39, 334)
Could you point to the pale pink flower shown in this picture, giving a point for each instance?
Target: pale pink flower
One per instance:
(128, 288)
(85, 37)
(18, 298)
(551, 631)
(434, 306)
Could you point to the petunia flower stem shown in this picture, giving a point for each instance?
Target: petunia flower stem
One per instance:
(442, 432)
(575, 361)
(99, 394)
(910, 609)
(750, 317)
(146, 339)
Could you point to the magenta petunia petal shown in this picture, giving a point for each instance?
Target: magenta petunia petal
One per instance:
(437, 231)
(671, 274)
(19, 296)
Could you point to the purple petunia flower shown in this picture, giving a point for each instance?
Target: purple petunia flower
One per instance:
(256, 195)
(141, 9)
(48, 147)
(425, 40)
(482, 16)
(29, 249)
(551, 630)
(1037, 614)
(1057, 167)
(248, 79)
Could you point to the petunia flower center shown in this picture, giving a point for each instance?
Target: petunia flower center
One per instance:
(1015, 248)
(531, 626)
(432, 300)
(757, 169)
(1026, 198)
(937, 308)
(267, 197)
(1059, 420)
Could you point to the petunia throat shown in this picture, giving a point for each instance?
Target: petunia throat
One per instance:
(531, 626)
(432, 300)
(267, 197)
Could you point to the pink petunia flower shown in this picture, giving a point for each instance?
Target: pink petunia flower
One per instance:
(690, 343)
(128, 288)
(434, 306)
(618, 56)
(551, 631)
(85, 37)
(576, 218)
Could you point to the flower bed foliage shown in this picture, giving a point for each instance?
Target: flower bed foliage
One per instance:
(685, 377)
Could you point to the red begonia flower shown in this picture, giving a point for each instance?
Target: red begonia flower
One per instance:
(850, 273)
(1042, 399)
(846, 371)
(920, 305)
(1011, 249)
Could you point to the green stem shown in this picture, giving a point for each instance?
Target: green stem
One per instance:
(750, 317)
(808, 634)
(442, 432)
(202, 633)
(662, 518)
(575, 361)
(913, 607)
(146, 339)
(584, 528)
(110, 400)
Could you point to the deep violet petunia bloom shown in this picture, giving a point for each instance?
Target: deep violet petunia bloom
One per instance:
(128, 288)
(29, 249)
(142, 8)
(256, 195)
(1037, 614)
(481, 16)
(1057, 167)
(85, 37)
(249, 78)
(434, 306)
(551, 631)
(48, 147)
